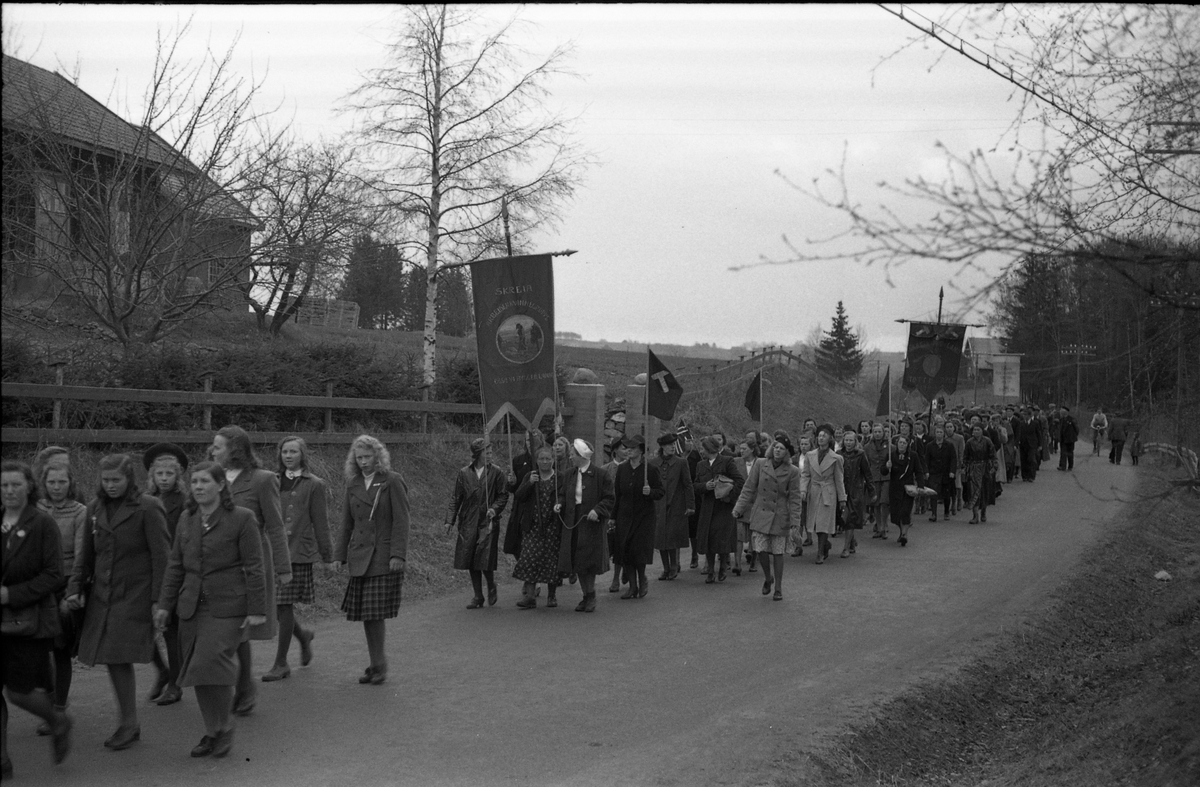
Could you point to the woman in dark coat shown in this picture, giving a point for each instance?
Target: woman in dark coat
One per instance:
(904, 469)
(716, 532)
(479, 499)
(858, 478)
(214, 584)
(305, 506)
(373, 545)
(30, 573)
(522, 465)
(676, 506)
(979, 459)
(257, 489)
(124, 554)
(635, 489)
(535, 499)
(585, 504)
(166, 464)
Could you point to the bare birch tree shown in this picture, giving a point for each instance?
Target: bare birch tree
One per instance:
(456, 124)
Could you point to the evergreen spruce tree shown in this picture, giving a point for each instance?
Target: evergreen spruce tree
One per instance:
(838, 354)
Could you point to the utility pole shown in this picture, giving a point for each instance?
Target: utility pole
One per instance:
(1079, 351)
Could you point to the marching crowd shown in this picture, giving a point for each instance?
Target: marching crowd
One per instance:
(214, 555)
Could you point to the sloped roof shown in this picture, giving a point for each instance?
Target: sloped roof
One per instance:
(43, 101)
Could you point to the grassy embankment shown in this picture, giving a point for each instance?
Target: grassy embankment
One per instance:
(1103, 688)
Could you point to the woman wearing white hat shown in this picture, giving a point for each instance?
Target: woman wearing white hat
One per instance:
(585, 502)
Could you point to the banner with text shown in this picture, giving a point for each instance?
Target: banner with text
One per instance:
(933, 358)
(514, 335)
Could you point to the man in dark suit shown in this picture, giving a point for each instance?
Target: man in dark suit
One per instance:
(1030, 441)
(1116, 434)
(1068, 434)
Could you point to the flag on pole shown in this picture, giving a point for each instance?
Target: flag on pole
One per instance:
(754, 398)
(884, 406)
(662, 389)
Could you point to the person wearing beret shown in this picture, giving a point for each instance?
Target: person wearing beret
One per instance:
(373, 546)
(770, 501)
(166, 465)
(585, 503)
(123, 557)
(822, 484)
(480, 495)
(215, 585)
(716, 535)
(636, 488)
(257, 489)
(304, 502)
(674, 509)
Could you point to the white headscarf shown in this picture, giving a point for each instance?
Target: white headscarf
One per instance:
(583, 449)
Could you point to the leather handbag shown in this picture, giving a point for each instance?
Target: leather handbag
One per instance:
(723, 488)
(21, 622)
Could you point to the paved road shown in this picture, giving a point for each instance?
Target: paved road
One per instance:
(696, 684)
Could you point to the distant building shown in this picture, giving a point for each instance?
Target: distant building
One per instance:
(992, 371)
(87, 194)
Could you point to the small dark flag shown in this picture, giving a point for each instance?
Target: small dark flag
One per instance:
(662, 389)
(754, 398)
(884, 407)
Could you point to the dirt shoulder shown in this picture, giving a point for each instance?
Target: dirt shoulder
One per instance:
(1101, 689)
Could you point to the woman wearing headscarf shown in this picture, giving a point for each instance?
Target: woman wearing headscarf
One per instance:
(123, 556)
(980, 460)
(860, 490)
(904, 470)
(585, 504)
(257, 489)
(770, 501)
(215, 585)
(716, 532)
(541, 535)
(822, 484)
(30, 573)
(636, 488)
(675, 507)
(479, 499)
(373, 546)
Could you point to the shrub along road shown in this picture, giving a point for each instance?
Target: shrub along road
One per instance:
(695, 684)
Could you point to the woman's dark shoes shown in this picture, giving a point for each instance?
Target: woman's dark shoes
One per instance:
(778, 595)
(666, 574)
(243, 704)
(368, 673)
(528, 602)
(572, 578)
(877, 535)
(590, 602)
(825, 549)
(378, 675)
(709, 579)
(853, 545)
(582, 605)
(61, 744)
(276, 673)
(160, 684)
(798, 552)
(222, 743)
(643, 590)
(737, 572)
(476, 603)
(884, 536)
(808, 540)
(903, 541)
(820, 559)
(616, 583)
(171, 695)
(204, 747)
(551, 599)
(695, 562)
(983, 516)
(974, 520)
(674, 572)
(306, 638)
(123, 738)
(631, 591)
(493, 596)
(845, 552)
(721, 574)
(766, 586)
(752, 560)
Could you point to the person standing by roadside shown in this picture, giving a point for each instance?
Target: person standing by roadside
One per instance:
(479, 500)
(822, 484)
(1099, 427)
(1135, 446)
(257, 489)
(676, 505)
(305, 506)
(215, 586)
(535, 499)
(1068, 435)
(166, 463)
(585, 505)
(860, 490)
(716, 535)
(877, 450)
(1116, 438)
(770, 502)
(373, 546)
(636, 488)
(123, 557)
(58, 500)
(30, 573)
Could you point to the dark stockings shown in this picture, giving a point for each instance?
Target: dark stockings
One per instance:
(477, 578)
(288, 628)
(376, 632)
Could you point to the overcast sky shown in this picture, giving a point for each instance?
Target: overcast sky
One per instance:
(691, 110)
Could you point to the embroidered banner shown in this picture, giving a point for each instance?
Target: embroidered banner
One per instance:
(934, 355)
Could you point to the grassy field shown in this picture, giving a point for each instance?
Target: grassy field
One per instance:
(1102, 689)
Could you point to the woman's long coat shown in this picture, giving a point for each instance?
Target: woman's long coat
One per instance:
(635, 513)
(124, 558)
(521, 467)
(858, 478)
(716, 531)
(584, 546)
(306, 520)
(823, 485)
(32, 567)
(671, 511)
(907, 470)
(223, 565)
(771, 495)
(375, 524)
(478, 537)
(258, 490)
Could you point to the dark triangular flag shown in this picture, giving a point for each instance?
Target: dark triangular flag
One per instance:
(662, 389)
(754, 398)
(884, 406)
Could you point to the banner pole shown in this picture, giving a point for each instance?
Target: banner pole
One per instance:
(508, 430)
(646, 421)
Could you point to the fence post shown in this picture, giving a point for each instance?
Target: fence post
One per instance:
(208, 404)
(58, 380)
(329, 410)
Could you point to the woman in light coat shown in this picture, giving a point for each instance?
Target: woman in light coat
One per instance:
(823, 486)
(373, 546)
(123, 555)
(770, 502)
(480, 495)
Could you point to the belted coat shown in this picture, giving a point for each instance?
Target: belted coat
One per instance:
(823, 486)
